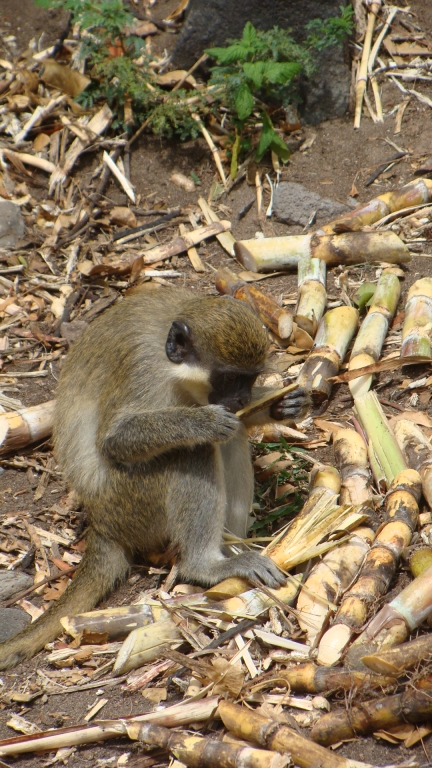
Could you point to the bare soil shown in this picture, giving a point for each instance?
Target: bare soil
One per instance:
(338, 158)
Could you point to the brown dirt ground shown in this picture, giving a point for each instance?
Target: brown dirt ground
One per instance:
(338, 157)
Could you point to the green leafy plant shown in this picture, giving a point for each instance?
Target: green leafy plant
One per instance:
(331, 31)
(270, 517)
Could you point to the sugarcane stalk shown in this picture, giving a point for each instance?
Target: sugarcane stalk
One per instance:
(198, 752)
(394, 662)
(370, 338)
(381, 438)
(416, 329)
(417, 451)
(312, 294)
(334, 334)
(284, 253)
(226, 239)
(114, 622)
(411, 706)
(278, 319)
(309, 678)
(362, 73)
(412, 194)
(20, 428)
(266, 732)
(144, 645)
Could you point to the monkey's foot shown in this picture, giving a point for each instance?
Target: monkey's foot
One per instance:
(249, 565)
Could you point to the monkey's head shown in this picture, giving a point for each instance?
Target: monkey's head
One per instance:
(220, 347)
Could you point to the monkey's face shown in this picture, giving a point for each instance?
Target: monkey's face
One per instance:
(232, 389)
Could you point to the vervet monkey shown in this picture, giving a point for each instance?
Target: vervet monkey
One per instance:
(146, 434)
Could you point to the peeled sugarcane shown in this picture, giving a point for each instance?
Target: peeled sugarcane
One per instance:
(334, 334)
(312, 294)
(198, 752)
(380, 563)
(413, 194)
(394, 662)
(114, 622)
(276, 318)
(309, 678)
(20, 428)
(284, 253)
(411, 706)
(251, 726)
(417, 451)
(373, 330)
(416, 331)
(374, 6)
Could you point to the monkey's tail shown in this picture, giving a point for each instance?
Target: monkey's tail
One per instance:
(103, 565)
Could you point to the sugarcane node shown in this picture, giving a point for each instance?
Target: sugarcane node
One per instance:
(146, 433)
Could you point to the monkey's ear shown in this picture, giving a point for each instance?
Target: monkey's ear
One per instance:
(179, 346)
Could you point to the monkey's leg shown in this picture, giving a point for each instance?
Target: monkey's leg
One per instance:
(103, 565)
(239, 483)
(196, 510)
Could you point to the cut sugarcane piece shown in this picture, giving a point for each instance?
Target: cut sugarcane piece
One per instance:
(20, 428)
(352, 461)
(416, 331)
(309, 678)
(254, 602)
(278, 319)
(370, 338)
(115, 622)
(381, 438)
(312, 294)
(394, 662)
(144, 645)
(413, 194)
(226, 239)
(412, 706)
(335, 332)
(271, 254)
(252, 726)
(417, 451)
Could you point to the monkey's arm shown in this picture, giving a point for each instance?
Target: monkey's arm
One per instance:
(291, 408)
(136, 437)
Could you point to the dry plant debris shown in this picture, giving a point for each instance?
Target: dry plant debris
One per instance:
(205, 658)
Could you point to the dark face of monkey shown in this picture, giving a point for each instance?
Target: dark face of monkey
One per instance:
(230, 385)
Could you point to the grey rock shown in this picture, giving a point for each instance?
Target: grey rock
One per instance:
(12, 582)
(211, 23)
(11, 224)
(12, 621)
(294, 204)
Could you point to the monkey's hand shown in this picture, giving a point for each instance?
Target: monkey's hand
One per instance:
(223, 424)
(294, 405)
(248, 565)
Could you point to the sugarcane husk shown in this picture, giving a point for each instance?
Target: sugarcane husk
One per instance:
(276, 318)
(226, 239)
(395, 661)
(253, 602)
(310, 678)
(192, 252)
(267, 733)
(334, 334)
(175, 716)
(115, 622)
(20, 428)
(145, 644)
(411, 706)
(284, 253)
(370, 413)
(418, 320)
(312, 294)
(411, 194)
(198, 752)
(417, 451)
(370, 338)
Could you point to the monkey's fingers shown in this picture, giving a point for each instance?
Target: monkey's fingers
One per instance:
(255, 567)
(294, 405)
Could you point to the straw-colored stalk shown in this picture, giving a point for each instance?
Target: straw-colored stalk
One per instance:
(351, 458)
(405, 612)
(198, 752)
(226, 239)
(309, 678)
(276, 318)
(381, 440)
(312, 294)
(253, 727)
(334, 334)
(284, 253)
(371, 61)
(379, 565)
(175, 716)
(362, 73)
(394, 662)
(416, 331)
(114, 622)
(411, 706)
(20, 428)
(412, 194)
(144, 645)
(193, 254)
(417, 451)
(213, 148)
(370, 338)
(253, 602)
